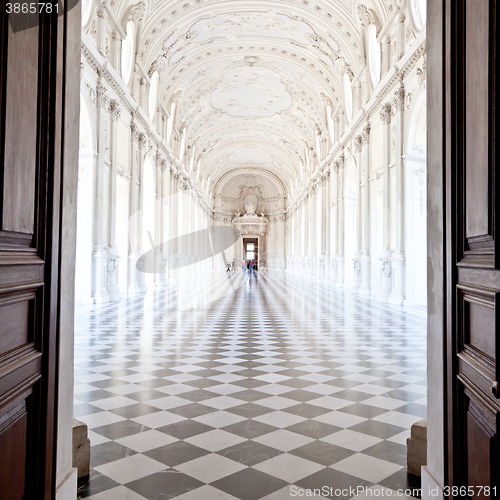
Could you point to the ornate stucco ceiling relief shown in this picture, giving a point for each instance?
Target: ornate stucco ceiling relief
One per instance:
(253, 81)
(251, 91)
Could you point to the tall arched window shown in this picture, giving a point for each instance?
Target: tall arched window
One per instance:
(348, 97)
(87, 6)
(419, 13)
(128, 53)
(153, 91)
(374, 55)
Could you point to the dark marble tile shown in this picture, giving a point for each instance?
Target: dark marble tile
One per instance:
(120, 429)
(134, 411)
(84, 409)
(110, 382)
(296, 383)
(392, 452)
(404, 395)
(403, 480)
(306, 410)
(202, 382)
(155, 383)
(301, 395)
(393, 384)
(88, 397)
(198, 395)
(164, 485)
(352, 395)
(146, 395)
(249, 383)
(362, 410)
(313, 429)
(250, 428)
(377, 429)
(413, 409)
(249, 484)
(185, 429)
(192, 410)
(249, 453)
(176, 453)
(329, 481)
(249, 395)
(322, 453)
(249, 410)
(344, 383)
(94, 483)
(108, 452)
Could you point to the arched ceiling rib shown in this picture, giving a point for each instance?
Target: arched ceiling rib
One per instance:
(251, 78)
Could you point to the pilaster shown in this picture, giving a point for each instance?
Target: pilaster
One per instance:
(385, 255)
(365, 288)
(113, 261)
(398, 258)
(99, 253)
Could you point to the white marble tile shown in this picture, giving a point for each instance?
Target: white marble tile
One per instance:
(367, 467)
(210, 468)
(283, 440)
(288, 467)
(145, 441)
(131, 468)
(355, 441)
(215, 440)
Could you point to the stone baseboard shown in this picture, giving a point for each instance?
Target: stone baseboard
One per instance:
(417, 447)
(81, 448)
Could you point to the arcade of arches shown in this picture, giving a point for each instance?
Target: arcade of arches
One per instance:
(299, 128)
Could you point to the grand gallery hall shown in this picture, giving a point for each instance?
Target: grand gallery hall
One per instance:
(251, 266)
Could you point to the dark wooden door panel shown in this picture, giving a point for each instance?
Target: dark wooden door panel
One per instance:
(481, 432)
(478, 199)
(31, 113)
(473, 285)
(20, 156)
(13, 437)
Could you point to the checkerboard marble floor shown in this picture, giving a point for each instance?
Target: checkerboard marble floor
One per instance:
(281, 383)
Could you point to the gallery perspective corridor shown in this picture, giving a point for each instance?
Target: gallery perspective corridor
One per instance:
(279, 382)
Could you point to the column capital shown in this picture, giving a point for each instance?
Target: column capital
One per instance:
(385, 113)
(115, 110)
(365, 134)
(358, 143)
(398, 102)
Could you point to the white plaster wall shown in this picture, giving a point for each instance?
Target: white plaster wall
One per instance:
(84, 245)
(122, 216)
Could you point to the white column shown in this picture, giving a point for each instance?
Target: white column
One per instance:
(365, 255)
(385, 255)
(113, 260)
(158, 220)
(99, 253)
(333, 223)
(398, 257)
(140, 207)
(358, 144)
(340, 225)
(326, 224)
(165, 227)
(133, 284)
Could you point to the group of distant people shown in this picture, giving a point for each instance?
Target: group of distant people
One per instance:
(247, 266)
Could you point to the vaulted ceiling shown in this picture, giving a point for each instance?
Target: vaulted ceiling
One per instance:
(252, 79)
